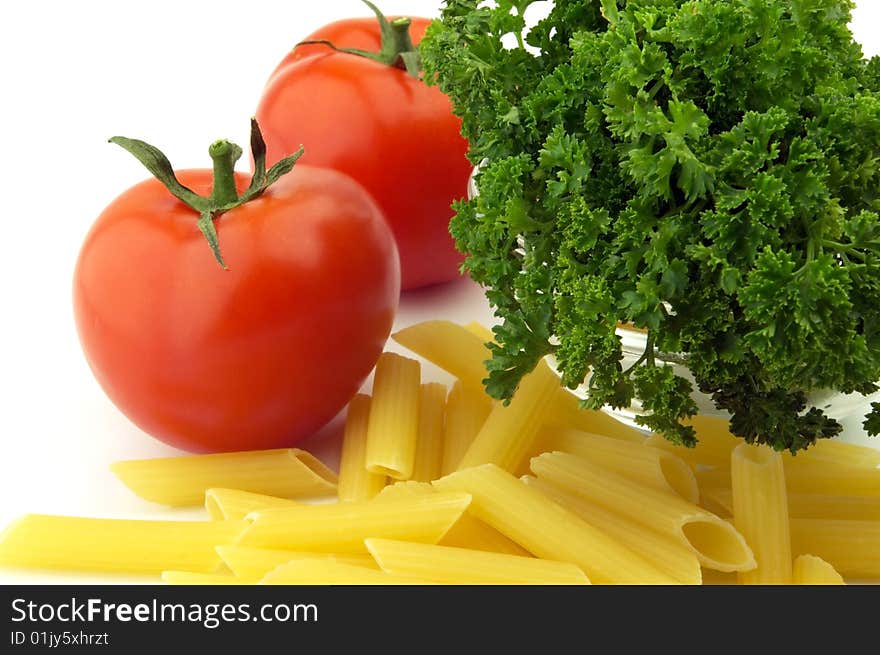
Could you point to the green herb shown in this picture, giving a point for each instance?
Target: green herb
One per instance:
(708, 171)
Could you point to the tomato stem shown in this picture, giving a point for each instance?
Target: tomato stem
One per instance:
(398, 50)
(224, 194)
(224, 154)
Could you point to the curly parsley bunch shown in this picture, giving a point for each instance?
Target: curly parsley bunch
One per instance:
(706, 170)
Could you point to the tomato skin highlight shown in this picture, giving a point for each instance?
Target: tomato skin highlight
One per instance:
(261, 355)
(388, 130)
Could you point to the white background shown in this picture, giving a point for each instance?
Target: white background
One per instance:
(179, 75)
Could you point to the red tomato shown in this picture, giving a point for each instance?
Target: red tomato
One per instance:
(258, 356)
(388, 130)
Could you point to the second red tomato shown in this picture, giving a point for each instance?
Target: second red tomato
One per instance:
(385, 128)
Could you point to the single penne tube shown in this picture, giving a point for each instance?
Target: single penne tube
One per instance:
(843, 453)
(716, 542)
(667, 554)
(509, 433)
(811, 506)
(548, 530)
(809, 478)
(355, 481)
(451, 347)
(342, 527)
(182, 481)
(716, 578)
(202, 579)
(446, 565)
(466, 412)
(329, 572)
(566, 411)
(115, 545)
(467, 532)
(812, 570)
(851, 547)
(429, 447)
(633, 460)
(714, 442)
(760, 512)
(393, 422)
(485, 334)
(253, 563)
(234, 504)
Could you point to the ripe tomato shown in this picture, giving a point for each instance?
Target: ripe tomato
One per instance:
(257, 356)
(388, 130)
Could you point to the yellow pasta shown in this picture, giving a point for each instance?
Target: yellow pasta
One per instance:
(201, 579)
(812, 570)
(234, 504)
(760, 512)
(485, 334)
(467, 532)
(716, 444)
(429, 447)
(667, 554)
(717, 544)
(115, 545)
(248, 563)
(812, 506)
(810, 477)
(450, 346)
(851, 547)
(446, 565)
(355, 481)
(509, 433)
(649, 466)
(466, 412)
(342, 527)
(393, 422)
(546, 529)
(182, 481)
(328, 572)
(566, 411)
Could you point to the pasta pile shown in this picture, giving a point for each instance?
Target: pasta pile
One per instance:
(442, 486)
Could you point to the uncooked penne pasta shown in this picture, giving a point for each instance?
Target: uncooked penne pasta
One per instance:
(201, 579)
(446, 565)
(717, 543)
(393, 422)
(328, 572)
(182, 481)
(355, 481)
(714, 442)
(812, 506)
(450, 346)
(548, 530)
(342, 527)
(810, 478)
(760, 512)
(234, 504)
(467, 532)
(633, 460)
(115, 545)
(429, 447)
(812, 570)
(851, 547)
(252, 564)
(481, 331)
(509, 433)
(566, 411)
(667, 554)
(466, 412)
